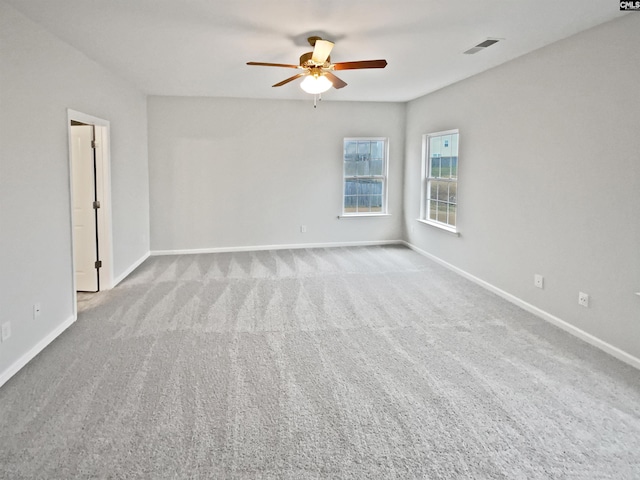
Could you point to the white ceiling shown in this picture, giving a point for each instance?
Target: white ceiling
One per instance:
(200, 47)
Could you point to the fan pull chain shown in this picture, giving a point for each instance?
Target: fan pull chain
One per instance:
(317, 98)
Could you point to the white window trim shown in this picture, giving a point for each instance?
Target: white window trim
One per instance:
(385, 177)
(424, 193)
(441, 226)
(363, 215)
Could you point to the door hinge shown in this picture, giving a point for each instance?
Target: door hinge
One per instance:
(99, 264)
(94, 144)
(96, 204)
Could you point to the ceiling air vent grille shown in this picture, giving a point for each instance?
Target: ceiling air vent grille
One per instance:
(482, 45)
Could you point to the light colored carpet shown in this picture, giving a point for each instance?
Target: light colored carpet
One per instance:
(354, 363)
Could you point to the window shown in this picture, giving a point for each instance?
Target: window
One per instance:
(440, 179)
(365, 176)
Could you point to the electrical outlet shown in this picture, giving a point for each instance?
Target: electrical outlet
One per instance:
(6, 331)
(583, 299)
(303, 229)
(538, 281)
(36, 310)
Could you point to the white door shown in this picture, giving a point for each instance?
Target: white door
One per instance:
(85, 239)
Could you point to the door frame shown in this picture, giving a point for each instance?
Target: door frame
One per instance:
(102, 133)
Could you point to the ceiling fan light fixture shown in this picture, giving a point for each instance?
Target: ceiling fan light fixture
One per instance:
(316, 84)
(317, 68)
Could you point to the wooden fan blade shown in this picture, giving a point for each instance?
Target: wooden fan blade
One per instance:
(321, 51)
(361, 64)
(263, 64)
(290, 79)
(337, 83)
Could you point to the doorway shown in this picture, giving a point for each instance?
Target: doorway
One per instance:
(86, 244)
(90, 200)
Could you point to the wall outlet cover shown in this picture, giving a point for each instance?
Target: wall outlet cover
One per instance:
(583, 299)
(6, 331)
(538, 281)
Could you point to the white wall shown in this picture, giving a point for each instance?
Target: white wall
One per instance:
(40, 77)
(237, 172)
(549, 178)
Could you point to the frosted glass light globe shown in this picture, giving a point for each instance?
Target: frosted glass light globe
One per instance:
(315, 85)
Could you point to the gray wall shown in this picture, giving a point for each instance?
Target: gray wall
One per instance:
(239, 172)
(549, 178)
(40, 77)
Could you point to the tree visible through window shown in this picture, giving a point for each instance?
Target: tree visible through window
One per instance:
(365, 176)
(440, 188)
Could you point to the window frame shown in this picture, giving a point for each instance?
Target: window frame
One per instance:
(384, 208)
(427, 179)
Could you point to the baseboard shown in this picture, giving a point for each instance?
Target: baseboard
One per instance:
(558, 322)
(255, 248)
(129, 270)
(41, 345)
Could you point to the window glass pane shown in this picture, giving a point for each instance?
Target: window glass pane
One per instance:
(442, 212)
(445, 167)
(433, 190)
(377, 149)
(349, 167)
(452, 215)
(350, 156)
(350, 199)
(453, 192)
(435, 167)
(446, 146)
(435, 147)
(364, 201)
(350, 187)
(376, 203)
(377, 166)
(362, 167)
(433, 210)
(454, 167)
(365, 186)
(454, 145)
(350, 203)
(443, 191)
(364, 150)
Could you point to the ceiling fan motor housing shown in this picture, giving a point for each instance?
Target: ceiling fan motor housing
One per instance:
(305, 61)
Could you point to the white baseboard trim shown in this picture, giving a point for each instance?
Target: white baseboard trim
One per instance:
(255, 248)
(135, 265)
(35, 350)
(558, 322)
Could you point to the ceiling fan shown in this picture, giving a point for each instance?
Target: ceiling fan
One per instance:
(316, 66)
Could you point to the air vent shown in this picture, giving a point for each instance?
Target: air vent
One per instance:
(482, 45)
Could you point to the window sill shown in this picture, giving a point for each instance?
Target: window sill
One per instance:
(363, 215)
(440, 226)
